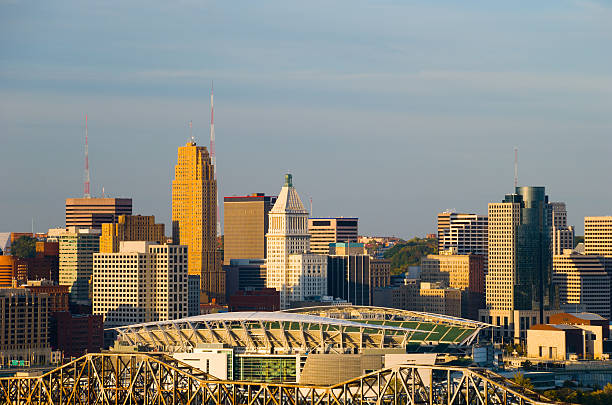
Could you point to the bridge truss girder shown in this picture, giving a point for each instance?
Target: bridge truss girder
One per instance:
(119, 378)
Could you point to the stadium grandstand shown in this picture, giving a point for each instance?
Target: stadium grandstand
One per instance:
(306, 345)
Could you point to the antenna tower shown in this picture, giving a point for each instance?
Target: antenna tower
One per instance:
(213, 154)
(86, 193)
(515, 168)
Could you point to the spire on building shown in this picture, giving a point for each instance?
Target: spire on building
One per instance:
(86, 193)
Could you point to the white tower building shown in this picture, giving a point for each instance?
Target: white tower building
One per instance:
(291, 269)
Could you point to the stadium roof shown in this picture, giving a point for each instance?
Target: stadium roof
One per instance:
(294, 332)
(369, 313)
(277, 316)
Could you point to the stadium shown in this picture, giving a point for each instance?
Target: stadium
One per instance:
(307, 345)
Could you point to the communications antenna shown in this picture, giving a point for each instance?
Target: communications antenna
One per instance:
(86, 193)
(515, 168)
(213, 154)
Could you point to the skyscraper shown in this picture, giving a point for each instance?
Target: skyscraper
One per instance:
(76, 249)
(598, 241)
(348, 273)
(465, 233)
(583, 283)
(291, 269)
(245, 226)
(562, 235)
(519, 287)
(194, 218)
(143, 282)
(324, 231)
(93, 212)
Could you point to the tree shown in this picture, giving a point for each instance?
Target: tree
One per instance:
(409, 253)
(522, 381)
(24, 247)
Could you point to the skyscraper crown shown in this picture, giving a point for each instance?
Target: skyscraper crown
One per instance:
(288, 200)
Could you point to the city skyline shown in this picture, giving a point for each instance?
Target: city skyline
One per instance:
(427, 120)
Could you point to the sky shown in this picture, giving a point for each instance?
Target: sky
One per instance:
(390, 111)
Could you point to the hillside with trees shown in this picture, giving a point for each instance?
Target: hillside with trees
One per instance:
(409, 253)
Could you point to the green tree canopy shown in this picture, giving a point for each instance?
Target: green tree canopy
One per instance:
(409, 253)
(521, 380)
(24, 247)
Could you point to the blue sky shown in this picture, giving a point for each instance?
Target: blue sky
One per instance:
(387, 110)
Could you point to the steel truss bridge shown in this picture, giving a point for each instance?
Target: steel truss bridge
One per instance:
(136, 378)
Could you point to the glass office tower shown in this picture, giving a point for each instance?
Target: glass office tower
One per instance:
(533, 286)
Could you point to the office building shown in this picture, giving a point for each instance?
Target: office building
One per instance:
(465, 233)
(245, 224)
(598, 239)
(93, 212)
(76, 334)
(8, 270)
(193, 294)
(194, 218)
(76, 249)
(291, 268)
(598, 242)
(24, 327)
(245, 275)
(43, 266)
(583, 284)
(263, 299)
(58, 294)
(413, 295)
(324, 231)
(348, 273)
(562, 235)
(130, 228)
(463, 272)
(143, 282)
(380, 273)
(519, 287)
(438, 299)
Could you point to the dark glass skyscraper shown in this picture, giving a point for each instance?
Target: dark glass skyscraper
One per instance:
(533, 286)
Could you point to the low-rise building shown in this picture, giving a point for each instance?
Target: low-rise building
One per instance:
(569, 334)
(464, 272)
(437, 299)
(265, 299)
(76, 335)
(420, 296)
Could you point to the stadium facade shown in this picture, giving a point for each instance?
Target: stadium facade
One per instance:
(311, 345)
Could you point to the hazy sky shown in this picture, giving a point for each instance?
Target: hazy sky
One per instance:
(390, 111)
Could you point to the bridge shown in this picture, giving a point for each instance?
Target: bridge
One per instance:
(152, 378)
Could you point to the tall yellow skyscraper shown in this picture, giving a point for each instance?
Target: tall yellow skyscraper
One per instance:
(194, 218)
